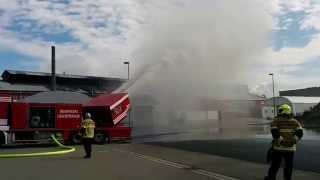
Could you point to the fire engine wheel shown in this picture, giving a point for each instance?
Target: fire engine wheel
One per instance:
(76, 139)
(108, 139)
(2, 138)
(101, 138)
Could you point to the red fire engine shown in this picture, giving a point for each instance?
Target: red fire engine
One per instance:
(22, 122)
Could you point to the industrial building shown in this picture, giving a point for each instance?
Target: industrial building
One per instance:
(20, 84)
(233, 103)
(299, 105)
(307, 92)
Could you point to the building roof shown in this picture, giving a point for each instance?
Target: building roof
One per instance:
(303, 100)
(54, 97)
(39, 81)
(11, 73)
(307, 92)
(292, 100)
(22, 87)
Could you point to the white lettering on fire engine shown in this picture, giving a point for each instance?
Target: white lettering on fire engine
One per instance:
(69, 114)
(68, 111)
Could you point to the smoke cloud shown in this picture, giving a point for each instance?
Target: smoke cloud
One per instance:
(196, 50)
(180, 51)
(191, 47)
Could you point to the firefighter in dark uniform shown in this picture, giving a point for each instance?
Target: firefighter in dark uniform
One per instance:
(87, 131)
(286, 132)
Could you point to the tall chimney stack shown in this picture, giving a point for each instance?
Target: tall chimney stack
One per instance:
(53, 68)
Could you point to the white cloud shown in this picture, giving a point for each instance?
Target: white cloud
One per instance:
(108, 32)
(312, 19)
(103, 30)
(284, 63)
(292, 55)
(296, 5)
(310, 7)
(280, 7)
(9, 42)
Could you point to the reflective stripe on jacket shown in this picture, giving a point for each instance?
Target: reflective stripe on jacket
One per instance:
(287, 129)
(88, 126)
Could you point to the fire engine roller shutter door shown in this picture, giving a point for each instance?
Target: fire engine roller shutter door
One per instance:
(20, 115)
(4, 116)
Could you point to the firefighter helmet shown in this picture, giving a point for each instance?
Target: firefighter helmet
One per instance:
(285, 109)
(88, 115)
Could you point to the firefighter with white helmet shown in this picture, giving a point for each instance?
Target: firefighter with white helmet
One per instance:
(87, 131)
(286, 132)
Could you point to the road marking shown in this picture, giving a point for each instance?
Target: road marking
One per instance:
(213, 175)
(157, 160)
(103, 151)
(178, 165)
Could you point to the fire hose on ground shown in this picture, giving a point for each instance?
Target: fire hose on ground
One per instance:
(65, 150)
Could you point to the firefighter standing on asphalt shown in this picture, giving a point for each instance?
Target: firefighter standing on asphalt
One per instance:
(87, 131)
(286, 132)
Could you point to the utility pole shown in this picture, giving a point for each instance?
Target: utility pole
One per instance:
(128, 63)
(273, 98)
(53, 68)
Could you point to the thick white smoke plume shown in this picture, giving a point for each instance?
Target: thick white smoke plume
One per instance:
(180, 51)
(192, 47)
(193, 51)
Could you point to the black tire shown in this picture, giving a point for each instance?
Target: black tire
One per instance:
(2, 139)
(108, 139)
(76, 138)
(100, 138)
(128, 141)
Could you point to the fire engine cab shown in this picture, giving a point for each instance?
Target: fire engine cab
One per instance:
(34, 121)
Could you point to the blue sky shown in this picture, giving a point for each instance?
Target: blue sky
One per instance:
(292, 35)
(89, 30)
(17, 61)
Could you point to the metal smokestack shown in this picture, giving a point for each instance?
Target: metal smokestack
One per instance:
(53, 68)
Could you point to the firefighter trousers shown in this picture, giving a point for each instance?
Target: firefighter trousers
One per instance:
(276, 159)
(87, 144)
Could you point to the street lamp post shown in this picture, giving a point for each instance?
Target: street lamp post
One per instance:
(128, 63)
(274, 100)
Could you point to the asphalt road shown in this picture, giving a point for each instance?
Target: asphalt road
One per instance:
(105, 164)
(254, 150)
(135, 162)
